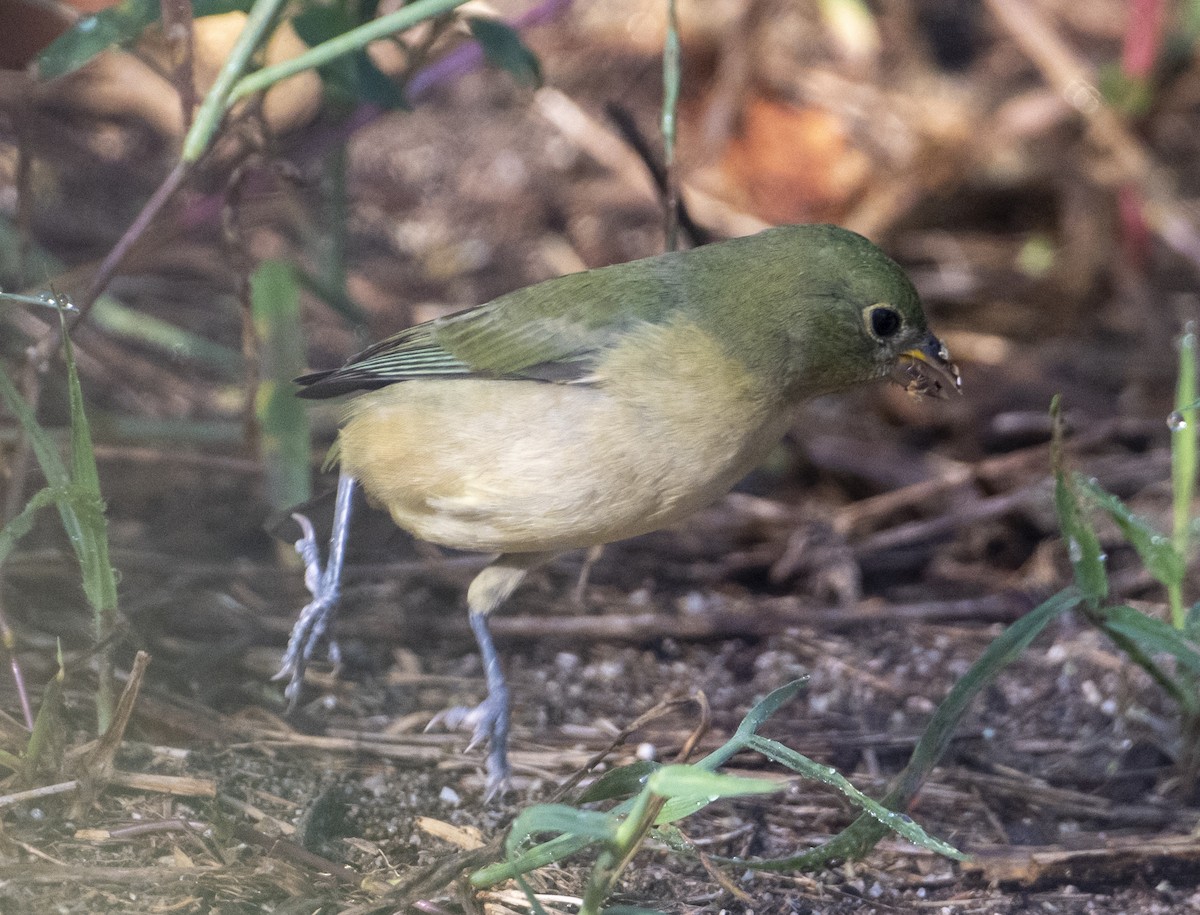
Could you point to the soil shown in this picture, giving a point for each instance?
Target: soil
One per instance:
(876, 554)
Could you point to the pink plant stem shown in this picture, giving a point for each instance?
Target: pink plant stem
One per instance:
(1143, 37)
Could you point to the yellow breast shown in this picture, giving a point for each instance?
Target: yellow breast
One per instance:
(665, 426)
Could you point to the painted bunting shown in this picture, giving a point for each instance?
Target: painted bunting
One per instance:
(604, 404)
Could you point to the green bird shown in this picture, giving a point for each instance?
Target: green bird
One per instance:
(602, 405)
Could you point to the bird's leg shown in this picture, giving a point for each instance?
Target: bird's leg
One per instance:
(490, 718)
(325, 585)
(585, 573)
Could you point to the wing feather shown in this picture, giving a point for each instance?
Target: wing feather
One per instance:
(549, 332)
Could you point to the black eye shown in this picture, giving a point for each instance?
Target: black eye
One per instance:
(885, 322)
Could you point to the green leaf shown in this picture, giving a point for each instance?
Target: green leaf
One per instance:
(504, 49)
(620, 782)
(117, 25)
(22, 524)
(690, 788)
(590, 825)
(1083, 546)
(539, 856)
(316, 24)
(1155, 549)
(688, 781)
(1153, 635)
(43, 446)
(899, 823)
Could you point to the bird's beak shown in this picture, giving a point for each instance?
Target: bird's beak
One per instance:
(927, 369)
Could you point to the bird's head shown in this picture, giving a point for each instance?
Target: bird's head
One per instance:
(875, 328)
(844, 313)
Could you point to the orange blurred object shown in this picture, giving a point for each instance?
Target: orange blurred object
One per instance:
(791, 164)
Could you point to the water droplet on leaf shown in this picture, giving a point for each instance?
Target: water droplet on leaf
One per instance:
(1176, 422)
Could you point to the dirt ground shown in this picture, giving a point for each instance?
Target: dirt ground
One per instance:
(877, 553)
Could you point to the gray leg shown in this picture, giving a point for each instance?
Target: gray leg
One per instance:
(325, 586)
(490, 718)
(492, 714)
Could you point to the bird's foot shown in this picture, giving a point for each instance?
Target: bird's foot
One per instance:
(488, 723)
(314, 619)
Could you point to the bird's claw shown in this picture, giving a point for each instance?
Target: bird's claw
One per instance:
(309, 552)
(314, 619)
(488, 723)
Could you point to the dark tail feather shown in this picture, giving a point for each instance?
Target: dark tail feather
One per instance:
(332, 382)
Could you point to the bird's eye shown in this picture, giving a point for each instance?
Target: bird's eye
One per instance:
(884, 321)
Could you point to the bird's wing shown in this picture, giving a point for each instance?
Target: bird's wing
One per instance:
(548, 332)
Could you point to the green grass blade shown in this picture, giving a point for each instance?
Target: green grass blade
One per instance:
(672, 81)
(49, 729)
(564, 846)
(1154, 635)
(44, 447)
(286, 448)
(1156, 550)
(45, 300)
(860, 837)
(22, 524)
(99, 579)
(48, 458)
(1183, 461)
(81, 509)
(1184, 696)
(770, 704)
(216, 103)
(348, 42)
(896, 822)
(163, 336)
(1083, 545)
(539, 856)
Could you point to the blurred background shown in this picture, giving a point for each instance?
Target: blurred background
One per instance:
(1032, 163)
